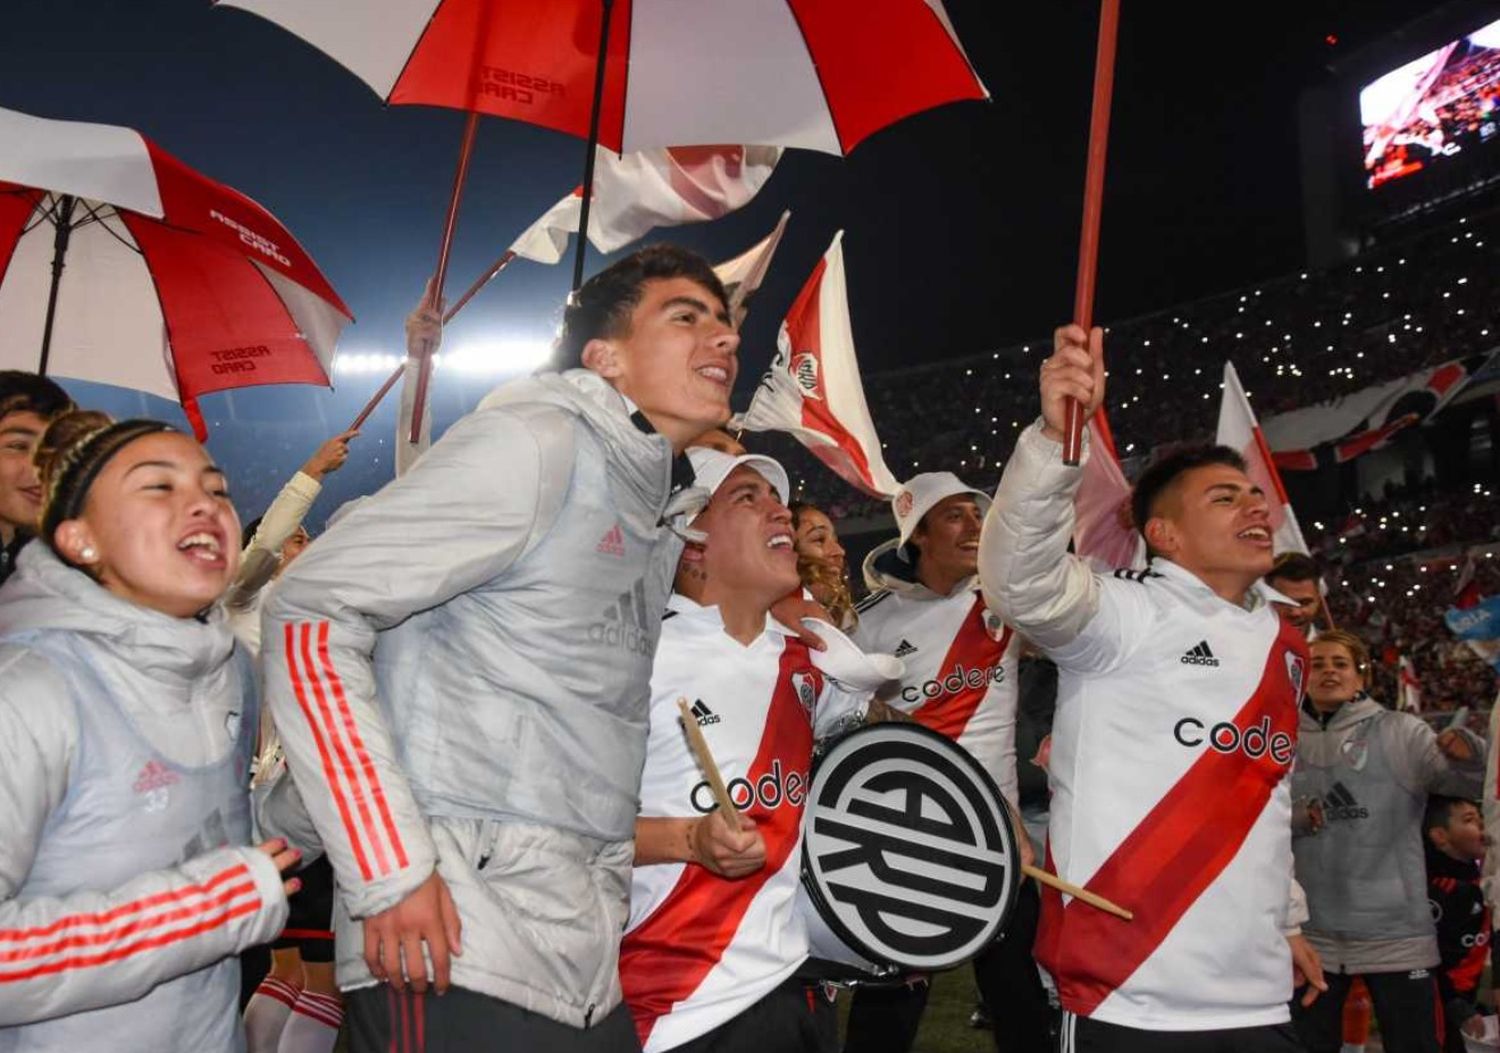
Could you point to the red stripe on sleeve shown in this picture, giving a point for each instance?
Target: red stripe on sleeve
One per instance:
(377, 792)
(239, 870)
(664, 960)
(329, 772)
(1177, 851)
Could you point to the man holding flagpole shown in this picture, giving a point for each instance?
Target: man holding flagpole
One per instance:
(1175, 730)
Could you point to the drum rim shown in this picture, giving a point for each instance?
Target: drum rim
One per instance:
(1008, 834)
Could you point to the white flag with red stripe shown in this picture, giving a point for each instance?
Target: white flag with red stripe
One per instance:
(1239, 430)
(1103, 532)
(813, 390)
(636, 192)
(743, 274)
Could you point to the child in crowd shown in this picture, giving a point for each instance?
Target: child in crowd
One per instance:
(1455, 845)
(127, 716)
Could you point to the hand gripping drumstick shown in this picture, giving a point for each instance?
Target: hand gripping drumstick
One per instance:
(1073, 890)
(699, 746)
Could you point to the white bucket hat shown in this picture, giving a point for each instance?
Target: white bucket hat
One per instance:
(711, 468)
(918, 495)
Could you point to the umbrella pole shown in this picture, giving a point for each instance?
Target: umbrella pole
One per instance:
(1093, 205)
(424, 354)
(606, 7)
(64, 221)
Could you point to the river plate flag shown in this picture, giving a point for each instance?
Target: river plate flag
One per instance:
(1239, 430)
(637, 192)
(1103, 531)
(813, 390)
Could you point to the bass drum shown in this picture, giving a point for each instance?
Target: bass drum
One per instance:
(909, 860)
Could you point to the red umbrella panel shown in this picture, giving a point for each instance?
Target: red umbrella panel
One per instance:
(198, 290)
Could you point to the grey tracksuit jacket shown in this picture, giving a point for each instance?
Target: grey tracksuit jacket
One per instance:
(126, 883)
(459, 671)
(1364, 872)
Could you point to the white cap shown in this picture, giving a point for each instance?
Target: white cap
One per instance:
(711, 468)
(919, 493)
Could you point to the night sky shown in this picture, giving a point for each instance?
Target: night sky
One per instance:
(962, 222)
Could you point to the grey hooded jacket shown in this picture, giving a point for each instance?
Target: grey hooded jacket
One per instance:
(459, 670)
(126, 883)
(1364, 872)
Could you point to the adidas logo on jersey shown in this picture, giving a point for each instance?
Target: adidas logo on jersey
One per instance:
(613, 542)
(905, 648)
(1339, 803)
(1200, 655)
(624, 624)
(703, 714)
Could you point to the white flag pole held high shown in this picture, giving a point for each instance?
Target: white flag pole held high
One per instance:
(813, 391)
(1239, 430)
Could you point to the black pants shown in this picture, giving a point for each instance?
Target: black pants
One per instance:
(797, 1017)
(1406, 1004)
(1079, 1034)
(381, 1020)
(885, 1019)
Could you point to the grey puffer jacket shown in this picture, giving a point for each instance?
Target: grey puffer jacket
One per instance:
(127, 883)
(1364, 872)
(459, 670)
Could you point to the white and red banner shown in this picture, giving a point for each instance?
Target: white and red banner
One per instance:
(813, 390)
(1342, 429)
(743, 274)
(1103, 531)
(1239, 430)
(635, 193)
(1410, 687)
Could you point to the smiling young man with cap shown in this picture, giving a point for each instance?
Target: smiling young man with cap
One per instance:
(961, 660)
(459, 670)
(1176, 727)
(712, 951)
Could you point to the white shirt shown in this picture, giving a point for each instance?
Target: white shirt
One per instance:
(700, 949)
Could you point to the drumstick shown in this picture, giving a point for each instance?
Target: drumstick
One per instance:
(1073, 890)
(699, 746)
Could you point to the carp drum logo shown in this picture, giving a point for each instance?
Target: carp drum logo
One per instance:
(906, 851)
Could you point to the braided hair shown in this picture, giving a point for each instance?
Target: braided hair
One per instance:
(81, 444)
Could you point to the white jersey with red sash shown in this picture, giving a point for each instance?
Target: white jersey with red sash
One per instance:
(1176, 726)
(961, 664)
(700, 949)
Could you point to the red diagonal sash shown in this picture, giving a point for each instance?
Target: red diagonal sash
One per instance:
(971, 655)
(664, 960)
(1176, 852)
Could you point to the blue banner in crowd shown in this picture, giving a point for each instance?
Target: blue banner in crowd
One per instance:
(1479, 626)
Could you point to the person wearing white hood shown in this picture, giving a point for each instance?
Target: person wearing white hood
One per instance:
(127, 718)
(713, 952)
(961, 663)
(459, 671)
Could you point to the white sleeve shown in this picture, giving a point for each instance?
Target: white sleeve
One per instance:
(1296, 910)
(1081, 620)
(408, 452)
(261, 557)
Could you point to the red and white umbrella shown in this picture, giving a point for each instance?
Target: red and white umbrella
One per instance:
(816, 74)
(122, 265)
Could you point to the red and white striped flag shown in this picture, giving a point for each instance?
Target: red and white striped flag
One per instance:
(1103, 532)
(743, 274)
(1410, 689)
(813, 391)
(1239, 430)
(636, 192)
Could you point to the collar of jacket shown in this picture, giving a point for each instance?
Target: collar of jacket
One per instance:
(1441, 864)
(1361, 707)
(708, 619)
(885, 569)
(1259, 594)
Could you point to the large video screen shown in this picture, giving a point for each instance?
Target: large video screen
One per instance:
(1432, 109)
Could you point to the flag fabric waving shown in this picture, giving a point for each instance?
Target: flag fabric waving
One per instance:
(1103, 532)
(1239, 430)
(635, 193)
(813, 390)
(743, 274)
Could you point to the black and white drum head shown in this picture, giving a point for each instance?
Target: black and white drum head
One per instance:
(907, 852)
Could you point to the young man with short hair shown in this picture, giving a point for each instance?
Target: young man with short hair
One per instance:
(1176, 727)
(1297, 577)
(459, 670)
(961, 667)
(28, 403)
(711, 957)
